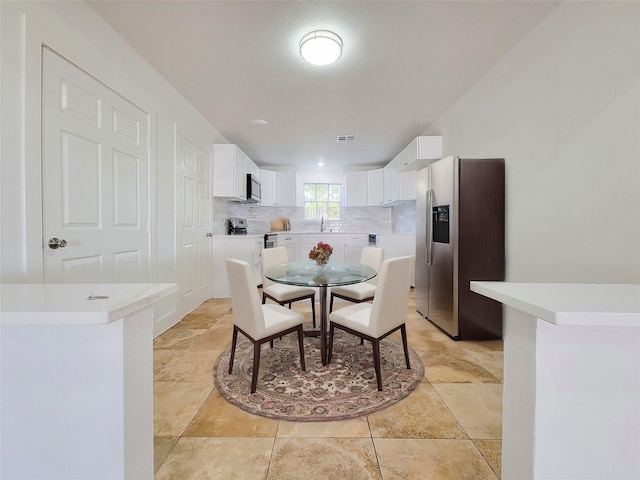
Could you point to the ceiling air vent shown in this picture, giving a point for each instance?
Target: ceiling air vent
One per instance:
(346, 138)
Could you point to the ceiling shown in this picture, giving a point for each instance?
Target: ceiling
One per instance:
(403, 64)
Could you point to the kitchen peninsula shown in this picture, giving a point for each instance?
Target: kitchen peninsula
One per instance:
(571, 380)
(77, 380)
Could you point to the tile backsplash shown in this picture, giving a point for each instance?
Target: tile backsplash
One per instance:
(397, 219)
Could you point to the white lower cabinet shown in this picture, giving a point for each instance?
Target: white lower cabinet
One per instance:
(346, 246)
(300, 244)
(292, 242)
(308, 240)
(353, 245)
(398, 245)
(247, 248)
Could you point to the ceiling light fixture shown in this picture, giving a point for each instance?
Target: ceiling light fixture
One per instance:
(321, 47)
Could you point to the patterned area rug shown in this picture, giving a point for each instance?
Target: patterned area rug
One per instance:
(346, 388)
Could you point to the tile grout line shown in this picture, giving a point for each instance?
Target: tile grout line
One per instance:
(273, 447)
(375, 450)
(195, 414)
(485, 458)
(465, 431)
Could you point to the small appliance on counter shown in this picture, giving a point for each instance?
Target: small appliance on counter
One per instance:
(237, 226)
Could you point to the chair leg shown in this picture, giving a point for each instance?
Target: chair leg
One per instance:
(271, 343)
(301, 344)
(331, 330)
(313, 310)
(264, 298)
(256, 366)
(330, 304)
(403, 332)
(376, 362)
(234, 338)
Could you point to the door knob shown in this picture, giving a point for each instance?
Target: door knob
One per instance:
(209, 234)
(57, 243)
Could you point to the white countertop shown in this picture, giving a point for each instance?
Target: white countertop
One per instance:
(67, 304)
(327, 232)
(248, 235)
(307, 232)
(607, 305)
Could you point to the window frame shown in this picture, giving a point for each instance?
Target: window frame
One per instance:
(330, 201)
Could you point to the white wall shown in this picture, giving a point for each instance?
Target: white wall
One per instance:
(76, 32)
(563, 109)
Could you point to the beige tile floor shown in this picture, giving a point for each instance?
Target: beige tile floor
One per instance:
(448, 428)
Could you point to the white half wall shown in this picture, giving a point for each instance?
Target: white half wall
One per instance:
(563, 109)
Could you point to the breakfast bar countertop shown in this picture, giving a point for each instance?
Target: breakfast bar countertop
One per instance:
(571, 379)
(577, 304)
(76, 304)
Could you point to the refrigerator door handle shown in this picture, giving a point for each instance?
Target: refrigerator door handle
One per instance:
(429, 223)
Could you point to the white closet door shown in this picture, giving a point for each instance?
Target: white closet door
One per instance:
(95, 167)
(194, 260)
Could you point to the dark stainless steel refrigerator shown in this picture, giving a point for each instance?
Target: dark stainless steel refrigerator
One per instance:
(460, 236)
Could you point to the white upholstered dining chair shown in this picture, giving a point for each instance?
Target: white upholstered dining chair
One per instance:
(386, 314)
(278, 292)
(259, 323)
(364, 291)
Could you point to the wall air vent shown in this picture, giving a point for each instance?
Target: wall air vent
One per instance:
(346, 138)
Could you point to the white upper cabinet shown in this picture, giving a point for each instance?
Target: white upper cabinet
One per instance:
(375, 187)
(286, 189)
(399, 186)
(400, 173)
(364, 188)
(390, 184)
(230, 168)
(268, 183)
(407, 185)
(253, 169)
(419, 153)
(378, 187)
(356, 188)
(278, 188)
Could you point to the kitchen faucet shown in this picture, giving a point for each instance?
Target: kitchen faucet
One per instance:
(321, 224)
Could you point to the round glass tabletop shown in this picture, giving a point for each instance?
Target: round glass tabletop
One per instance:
(308, 274)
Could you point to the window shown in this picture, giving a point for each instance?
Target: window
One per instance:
(322, 200)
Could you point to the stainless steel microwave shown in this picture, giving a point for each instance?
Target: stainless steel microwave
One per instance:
(253, 189)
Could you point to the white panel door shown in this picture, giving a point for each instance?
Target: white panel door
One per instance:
(95, 179)
(194, 262)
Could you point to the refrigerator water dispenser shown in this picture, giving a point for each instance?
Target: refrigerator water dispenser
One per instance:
(441, 224)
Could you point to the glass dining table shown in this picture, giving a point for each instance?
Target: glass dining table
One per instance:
(308, 274)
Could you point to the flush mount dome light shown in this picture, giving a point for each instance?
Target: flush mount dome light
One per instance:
(321, 47)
